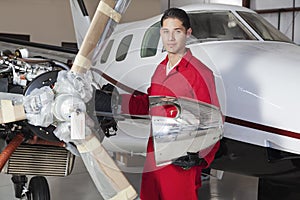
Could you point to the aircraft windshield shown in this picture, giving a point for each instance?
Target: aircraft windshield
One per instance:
(263, 27)
(217, 25)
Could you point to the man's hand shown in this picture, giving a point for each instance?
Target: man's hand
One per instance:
(188, 161)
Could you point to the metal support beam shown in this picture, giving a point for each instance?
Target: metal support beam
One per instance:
(246, 3)
(293, 24)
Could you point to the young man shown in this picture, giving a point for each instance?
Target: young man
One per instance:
(179, 75)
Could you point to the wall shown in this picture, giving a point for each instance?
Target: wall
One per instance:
(45, 21)
(174, 3)
(286, 18)
(178, 3)
(50, 21)
(271, 4)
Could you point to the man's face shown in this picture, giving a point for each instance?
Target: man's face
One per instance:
(174, 35)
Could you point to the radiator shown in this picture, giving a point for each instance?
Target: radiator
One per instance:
(40, 160)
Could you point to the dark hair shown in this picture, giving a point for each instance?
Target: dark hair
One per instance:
(176, 13)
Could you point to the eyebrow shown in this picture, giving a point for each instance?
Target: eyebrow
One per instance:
(179, 28)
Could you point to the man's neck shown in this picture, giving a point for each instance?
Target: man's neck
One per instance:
(175, 57)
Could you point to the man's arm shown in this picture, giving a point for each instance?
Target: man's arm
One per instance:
(205, 90)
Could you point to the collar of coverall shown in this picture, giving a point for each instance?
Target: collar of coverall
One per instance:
(184, 61)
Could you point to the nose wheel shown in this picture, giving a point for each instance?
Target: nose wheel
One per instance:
(38, 189)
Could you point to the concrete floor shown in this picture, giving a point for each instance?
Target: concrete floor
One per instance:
(79, 186)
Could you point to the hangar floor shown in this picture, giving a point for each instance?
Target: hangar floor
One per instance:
(79, 186)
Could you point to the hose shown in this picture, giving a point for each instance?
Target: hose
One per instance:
(61, 65)
(10, 148)
(37, 140)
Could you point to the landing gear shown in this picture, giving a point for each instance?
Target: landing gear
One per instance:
(19, 185)
(38, 188)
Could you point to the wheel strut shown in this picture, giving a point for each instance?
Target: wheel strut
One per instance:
(19, 184)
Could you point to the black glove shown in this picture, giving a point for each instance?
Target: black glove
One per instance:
(188, 161)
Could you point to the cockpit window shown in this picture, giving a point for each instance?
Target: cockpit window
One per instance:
(263, 27)
(217, 25)
(123, 48)
(150, 41)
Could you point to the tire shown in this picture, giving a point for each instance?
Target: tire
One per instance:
(38, 188)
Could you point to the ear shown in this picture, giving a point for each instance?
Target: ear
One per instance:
(189, 32)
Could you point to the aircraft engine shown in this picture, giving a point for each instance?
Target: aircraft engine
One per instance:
(26, 146)
(21, 74)
(17, 69)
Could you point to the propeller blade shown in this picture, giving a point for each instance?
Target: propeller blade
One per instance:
(110, 181)
(108, 178)
(103, 14)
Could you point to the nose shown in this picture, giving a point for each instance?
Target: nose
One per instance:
(171, 36)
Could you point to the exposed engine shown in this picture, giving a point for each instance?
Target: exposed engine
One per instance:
(20, 73)
(28, 146)
(17, 72)
(17, 69)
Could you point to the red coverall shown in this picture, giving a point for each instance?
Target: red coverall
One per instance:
(192, 79)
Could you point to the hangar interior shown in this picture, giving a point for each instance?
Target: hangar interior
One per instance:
(58, 27)
(50, 22)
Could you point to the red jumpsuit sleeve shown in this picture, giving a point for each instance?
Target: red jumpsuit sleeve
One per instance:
(209, 155)
(205, 90)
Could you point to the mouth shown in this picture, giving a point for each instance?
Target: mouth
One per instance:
(171, 45)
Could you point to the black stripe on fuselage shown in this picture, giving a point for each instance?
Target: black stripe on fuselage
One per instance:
(261, 127)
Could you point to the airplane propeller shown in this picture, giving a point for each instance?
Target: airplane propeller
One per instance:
(68, 106)
(105, 172)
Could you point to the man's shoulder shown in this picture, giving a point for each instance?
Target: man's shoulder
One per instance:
(196, 64)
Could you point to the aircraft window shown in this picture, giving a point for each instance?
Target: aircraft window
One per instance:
(106, 52)
(123, 48)
(217, 25)
(150, 41)
(263, 27)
